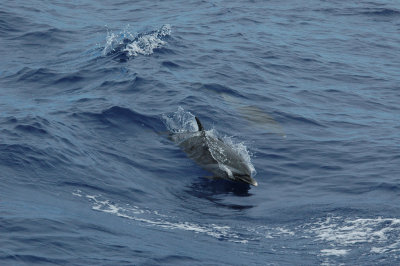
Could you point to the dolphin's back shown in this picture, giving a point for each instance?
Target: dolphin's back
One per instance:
(197, 149)
(214, 155)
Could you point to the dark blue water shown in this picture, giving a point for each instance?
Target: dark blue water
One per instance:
(306, 91)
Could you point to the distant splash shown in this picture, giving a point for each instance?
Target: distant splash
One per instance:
(183, 121)
(133, 44)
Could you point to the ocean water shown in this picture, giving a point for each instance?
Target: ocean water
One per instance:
(307, 92)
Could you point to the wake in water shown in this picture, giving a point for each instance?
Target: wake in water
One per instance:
(335, 236)
(154, 218)
(126, 44)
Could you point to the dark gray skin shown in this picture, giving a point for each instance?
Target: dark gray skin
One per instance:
(214, 155)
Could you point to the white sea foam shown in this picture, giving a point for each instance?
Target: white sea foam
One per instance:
(339, 236)
(284, 231)
(267, 232)
(334, 252)
(77, 193)
(381, 235)
(353, 231)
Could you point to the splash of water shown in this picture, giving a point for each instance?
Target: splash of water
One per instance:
(180, 121)
(136, 44)
(146, 43)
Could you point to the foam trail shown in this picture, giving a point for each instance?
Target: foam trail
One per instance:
(154, 218)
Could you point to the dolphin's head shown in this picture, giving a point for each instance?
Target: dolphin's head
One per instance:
(246, 179)
(241, 172)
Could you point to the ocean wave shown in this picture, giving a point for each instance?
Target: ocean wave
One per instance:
(32, 75)
(363, 10)
(118, 117)
(287, 117)
(170, 64)
(29, 125)
(220, 89)
(26, 156)
(11, 24)
(384, 12)
(46, 37)
(31, 129)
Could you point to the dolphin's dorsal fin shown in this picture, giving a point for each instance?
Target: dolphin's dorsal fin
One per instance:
(199, 125)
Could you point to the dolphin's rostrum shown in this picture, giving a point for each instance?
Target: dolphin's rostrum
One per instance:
(214, 155)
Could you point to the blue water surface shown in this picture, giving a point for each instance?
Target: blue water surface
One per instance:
(307, 91)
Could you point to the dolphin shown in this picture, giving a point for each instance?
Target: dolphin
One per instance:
(214, 155)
